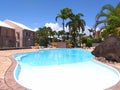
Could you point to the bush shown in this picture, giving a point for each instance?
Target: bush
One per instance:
(36, 44)
(97, 40)
(70, 45)
(54, 44)
(89, 44)
(43, 42)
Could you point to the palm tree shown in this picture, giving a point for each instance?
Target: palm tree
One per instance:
(50, 33)
(64, 14)
(60, 34)
(75, 25)
(53, 34)
(91, 31)
(42, 36)
(109, 16)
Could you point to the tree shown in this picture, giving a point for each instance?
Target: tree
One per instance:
(53, 34)
(61, 34)
(109, 16)
(76, 24)
(50, 33)
(91, 31)
(64, 14)
(42, 36)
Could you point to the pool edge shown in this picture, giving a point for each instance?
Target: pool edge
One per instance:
(10, 79)
(115, 86)
(18, 86)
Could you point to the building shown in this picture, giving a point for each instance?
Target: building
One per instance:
(24, 35)
(7, 35)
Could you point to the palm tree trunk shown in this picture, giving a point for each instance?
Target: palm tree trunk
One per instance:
(63, 30)
(74, 39)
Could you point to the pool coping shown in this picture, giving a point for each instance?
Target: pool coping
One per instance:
(9, 76)
(117, 85)
(14, 85)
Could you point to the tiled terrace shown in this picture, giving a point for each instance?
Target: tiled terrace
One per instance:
(8, 64)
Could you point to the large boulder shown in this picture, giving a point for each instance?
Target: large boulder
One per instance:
(109, 49)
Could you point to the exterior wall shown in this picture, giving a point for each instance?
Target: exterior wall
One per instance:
(24, 38)
(7, 37)
(28, 38)
(19, 42)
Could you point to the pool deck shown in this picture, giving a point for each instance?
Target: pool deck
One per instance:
(8, 64)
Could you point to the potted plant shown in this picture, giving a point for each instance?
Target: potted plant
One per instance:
(37, 46)
(70, 45)
(54, 44)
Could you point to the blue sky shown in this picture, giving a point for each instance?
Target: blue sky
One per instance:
(36, 13)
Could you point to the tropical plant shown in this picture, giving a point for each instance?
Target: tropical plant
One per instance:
(70, 45)
(64, 14)
(54, 44)
(53, 34)
(61, 34)
(50, 33)
(76, 24)
(109, 17)
(91, 31)
(37, 44)
(42, 36)
(81, 36)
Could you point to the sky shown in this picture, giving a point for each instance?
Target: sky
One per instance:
(40, 13)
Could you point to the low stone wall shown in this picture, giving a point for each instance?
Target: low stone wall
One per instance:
(61, 44)
(95, 44)
(14, 48)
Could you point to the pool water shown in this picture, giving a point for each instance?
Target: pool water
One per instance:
(63, 69)
(53, 57)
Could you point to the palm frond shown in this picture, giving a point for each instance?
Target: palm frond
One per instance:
(108, 7)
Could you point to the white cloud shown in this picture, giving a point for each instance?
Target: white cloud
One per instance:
(87, 31)
(35, 29)
(55, 26)
(97, 29)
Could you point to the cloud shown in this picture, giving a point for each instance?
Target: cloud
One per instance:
(87, 31)
(35, 29)
(55, 26)
(97, 29)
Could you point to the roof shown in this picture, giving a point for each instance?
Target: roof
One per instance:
(2, 24)
(20, 25)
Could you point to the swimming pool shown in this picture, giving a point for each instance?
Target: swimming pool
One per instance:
(63, 69)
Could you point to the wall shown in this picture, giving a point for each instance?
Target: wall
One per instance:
(7, 37)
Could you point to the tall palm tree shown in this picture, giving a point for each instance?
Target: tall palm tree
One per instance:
(64, 14)
(109, 16)
(75, 25)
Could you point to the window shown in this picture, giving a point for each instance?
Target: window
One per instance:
(17, 35)
(6, 33)
(0, 31)
(24, 33)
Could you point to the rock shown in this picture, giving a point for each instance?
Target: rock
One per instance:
(112, 57)
(109, 49)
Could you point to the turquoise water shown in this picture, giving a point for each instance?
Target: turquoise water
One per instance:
(53, 57)
(63, 69)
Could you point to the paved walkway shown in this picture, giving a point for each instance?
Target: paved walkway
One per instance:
(7, 65)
